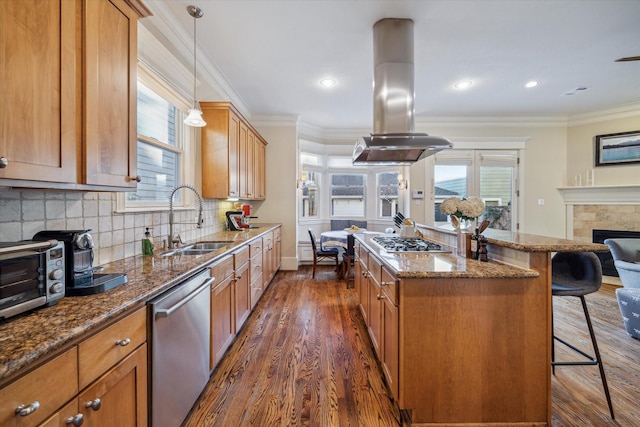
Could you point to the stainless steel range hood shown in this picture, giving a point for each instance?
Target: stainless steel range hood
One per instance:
(393, 140)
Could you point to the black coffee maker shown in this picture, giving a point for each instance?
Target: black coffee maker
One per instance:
(78, 254)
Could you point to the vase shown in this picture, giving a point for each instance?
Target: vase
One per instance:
(462, 224)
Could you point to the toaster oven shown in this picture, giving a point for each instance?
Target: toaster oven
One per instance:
(32, 274)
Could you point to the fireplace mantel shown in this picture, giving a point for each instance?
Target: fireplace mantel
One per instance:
(601, 195)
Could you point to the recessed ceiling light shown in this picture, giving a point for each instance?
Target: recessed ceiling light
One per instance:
(463, 85)
(531, 84)
(327, 83)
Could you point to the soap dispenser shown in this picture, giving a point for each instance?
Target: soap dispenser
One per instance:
(147, 244)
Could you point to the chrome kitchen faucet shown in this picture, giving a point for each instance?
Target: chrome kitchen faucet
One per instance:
(175, 239)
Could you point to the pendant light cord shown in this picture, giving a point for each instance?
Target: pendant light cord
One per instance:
(195, 99)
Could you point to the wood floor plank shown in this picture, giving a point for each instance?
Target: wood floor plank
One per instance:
(304, 359)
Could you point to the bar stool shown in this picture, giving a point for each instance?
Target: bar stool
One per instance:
(578, 274)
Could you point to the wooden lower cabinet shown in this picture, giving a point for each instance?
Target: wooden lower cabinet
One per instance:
(390, 349)
(119, 397)
(116, 396)
(255, 265)
(242, 294)
(222, 318)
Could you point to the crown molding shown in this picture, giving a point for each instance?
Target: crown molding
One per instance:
(629, 110)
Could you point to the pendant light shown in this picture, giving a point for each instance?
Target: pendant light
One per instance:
(195, 114)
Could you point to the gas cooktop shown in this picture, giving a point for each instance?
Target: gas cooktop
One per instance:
(407, 244)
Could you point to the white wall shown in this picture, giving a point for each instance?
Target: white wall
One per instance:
(281, 166)
(581, 146)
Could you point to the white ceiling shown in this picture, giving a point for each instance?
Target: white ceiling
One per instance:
(268, 56)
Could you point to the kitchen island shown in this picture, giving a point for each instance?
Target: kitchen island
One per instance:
(464, 342)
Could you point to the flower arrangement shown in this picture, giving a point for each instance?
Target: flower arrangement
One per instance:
(468, 208)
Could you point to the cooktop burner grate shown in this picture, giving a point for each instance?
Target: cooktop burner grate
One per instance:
(407, 244)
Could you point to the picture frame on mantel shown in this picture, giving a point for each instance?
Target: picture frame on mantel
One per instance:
(618, 148)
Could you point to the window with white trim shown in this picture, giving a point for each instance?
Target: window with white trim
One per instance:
(164, 145)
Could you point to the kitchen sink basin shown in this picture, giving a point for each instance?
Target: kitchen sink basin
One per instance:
(210, 245)
(198, 248)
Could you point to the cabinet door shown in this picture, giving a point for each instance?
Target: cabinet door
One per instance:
(256, 278)
(222, 319)
(118, 398)
(234, 155)
(390, 351)
(278, 250)
(247, 140)
(39, 87)
(361, 280)
(242, 295)
(374, 319)
(259, 182)
(110, 55)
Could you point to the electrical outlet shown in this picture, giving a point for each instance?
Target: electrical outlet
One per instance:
(540, 202)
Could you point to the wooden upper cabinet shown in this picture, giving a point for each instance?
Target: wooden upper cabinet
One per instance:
(259, 169)
(220, 151)
(229, 154)
(110, 82)
(39, 88)
(68, 73)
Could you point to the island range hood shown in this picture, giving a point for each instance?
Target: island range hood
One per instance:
(393, 140)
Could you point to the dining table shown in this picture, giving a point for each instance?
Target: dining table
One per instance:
(334, 239)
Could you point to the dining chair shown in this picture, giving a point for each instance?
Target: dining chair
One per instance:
(321, 253)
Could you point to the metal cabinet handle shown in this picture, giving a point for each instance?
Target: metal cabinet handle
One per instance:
(123, 342)
(76, 420)
(134, 178)
(4, 162)
(386, 283)
(380, 297)
(166, 312)
(94, 404)
(24, 410)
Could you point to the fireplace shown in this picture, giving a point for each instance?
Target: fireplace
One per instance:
(599, 236)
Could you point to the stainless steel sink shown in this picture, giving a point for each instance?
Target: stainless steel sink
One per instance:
(198, 248)
(210, 245)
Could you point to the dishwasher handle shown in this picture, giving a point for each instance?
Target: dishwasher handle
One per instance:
(166, 312)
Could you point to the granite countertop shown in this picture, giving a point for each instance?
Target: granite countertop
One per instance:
(27, 337)
(529, 242)
(533, 243)
(440, 265)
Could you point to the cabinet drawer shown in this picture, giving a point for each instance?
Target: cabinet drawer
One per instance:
(255, 247)
(106, 348)
(222, 269)
(389, 286)
(51, 385)
(241, 256)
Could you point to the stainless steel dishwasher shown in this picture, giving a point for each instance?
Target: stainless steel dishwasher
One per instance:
(179, 349)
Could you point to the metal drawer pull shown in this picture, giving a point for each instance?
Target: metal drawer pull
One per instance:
(94, 404)
(166, 312)
(123, 342)
(387, 283)
(76, 420)
(24, 410)
(134, 178)
(380, 297)
(4, 162)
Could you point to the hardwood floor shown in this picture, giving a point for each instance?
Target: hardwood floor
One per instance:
(304, 358)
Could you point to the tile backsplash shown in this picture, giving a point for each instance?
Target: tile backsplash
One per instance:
(24, 212)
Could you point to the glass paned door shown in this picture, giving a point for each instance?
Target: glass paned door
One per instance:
(449, 181)
(496, 190)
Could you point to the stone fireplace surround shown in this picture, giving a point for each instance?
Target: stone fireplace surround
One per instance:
(610, 207)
